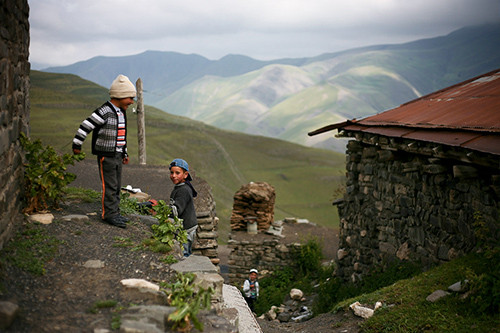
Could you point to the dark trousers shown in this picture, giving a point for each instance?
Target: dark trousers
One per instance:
(110, 172)
(250, 302)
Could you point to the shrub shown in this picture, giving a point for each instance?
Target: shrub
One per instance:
(188, 299)
(305, 268)
(45, 175)
(168, 229)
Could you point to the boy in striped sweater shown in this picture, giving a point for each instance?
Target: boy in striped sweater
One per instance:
(108, 125)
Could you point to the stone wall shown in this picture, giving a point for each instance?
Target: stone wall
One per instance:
(206, 243)
(264, 252)
(14, 109)
(414, 202)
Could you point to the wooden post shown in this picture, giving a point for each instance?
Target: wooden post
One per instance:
(141, 129)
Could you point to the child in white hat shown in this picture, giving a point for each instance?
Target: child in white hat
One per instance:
(108, 125)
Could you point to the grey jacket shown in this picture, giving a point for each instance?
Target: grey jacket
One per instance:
(103, 123)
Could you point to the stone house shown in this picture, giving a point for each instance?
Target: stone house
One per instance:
(422, 178)
(14, 110)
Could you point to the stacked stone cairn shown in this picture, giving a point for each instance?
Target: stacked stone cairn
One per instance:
(253, 203)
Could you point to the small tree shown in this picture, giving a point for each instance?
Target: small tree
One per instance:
(45, 175)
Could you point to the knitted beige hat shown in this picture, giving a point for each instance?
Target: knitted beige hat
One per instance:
(122, 88)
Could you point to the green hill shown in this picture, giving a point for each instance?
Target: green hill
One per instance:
(286, 101)
(306, 179)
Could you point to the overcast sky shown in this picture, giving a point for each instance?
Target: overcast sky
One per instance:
(66, 31)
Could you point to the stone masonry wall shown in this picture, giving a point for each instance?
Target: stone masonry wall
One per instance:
(206, 243)
(14, 109)
(262, 252)
(408, 206)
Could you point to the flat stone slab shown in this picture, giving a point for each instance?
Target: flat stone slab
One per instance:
(246, 320)
(193, 264)
(75, 218)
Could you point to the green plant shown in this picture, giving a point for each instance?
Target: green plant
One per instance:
(102, 305)
(300, 274)
(169, 259)
(116, 321)
(485, 285)
(30, 249)
(156, 246)
(122, 242)
(274, 288)
(168, 229)
(130, 205)
(309, 258)
(81, 194)
(45, 174)
(188, 300)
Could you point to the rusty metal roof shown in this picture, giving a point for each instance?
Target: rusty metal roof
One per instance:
(466, 115)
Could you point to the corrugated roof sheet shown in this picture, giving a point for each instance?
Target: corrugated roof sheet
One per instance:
(466, 115)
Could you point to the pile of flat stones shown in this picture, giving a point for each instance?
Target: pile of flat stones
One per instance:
(253, 203)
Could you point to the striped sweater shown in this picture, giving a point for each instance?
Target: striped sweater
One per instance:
(103, 123)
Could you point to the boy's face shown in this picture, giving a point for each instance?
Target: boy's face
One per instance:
(253, 276)
(123, 103)
(178, 175)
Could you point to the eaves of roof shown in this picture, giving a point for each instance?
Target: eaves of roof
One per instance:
(465, 115)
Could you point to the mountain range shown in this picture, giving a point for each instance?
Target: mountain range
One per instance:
(287, 98)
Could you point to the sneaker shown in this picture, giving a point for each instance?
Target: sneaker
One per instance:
(115, 221)
(123, 218)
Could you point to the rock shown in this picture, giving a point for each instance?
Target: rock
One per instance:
(145, 318)
(296, 294)
(284, 317)
(231, 315)
(139, 284)
(75, 218)
(271, 314)
(361, 311)
(8, 312)
(304, 315)
(41, 218)
(210, 280)
(194, 263)
(458, 287)
(341, 253)
(437, 295)
(93, 264)
(403, 252)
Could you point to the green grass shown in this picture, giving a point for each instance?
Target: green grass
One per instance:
(406, 309)
(104, 304)
(306, 179)
(81, 194)
(30, 249)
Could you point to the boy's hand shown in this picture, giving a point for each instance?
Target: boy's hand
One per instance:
(76, 151)
(125, 160)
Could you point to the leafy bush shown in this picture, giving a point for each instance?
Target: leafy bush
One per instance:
(485, 287)
(130, 205)
(45, 175)
(168, 229)
(309, 259)
(188, 299)
(273, 289)
(485, 281)
(305, 269)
